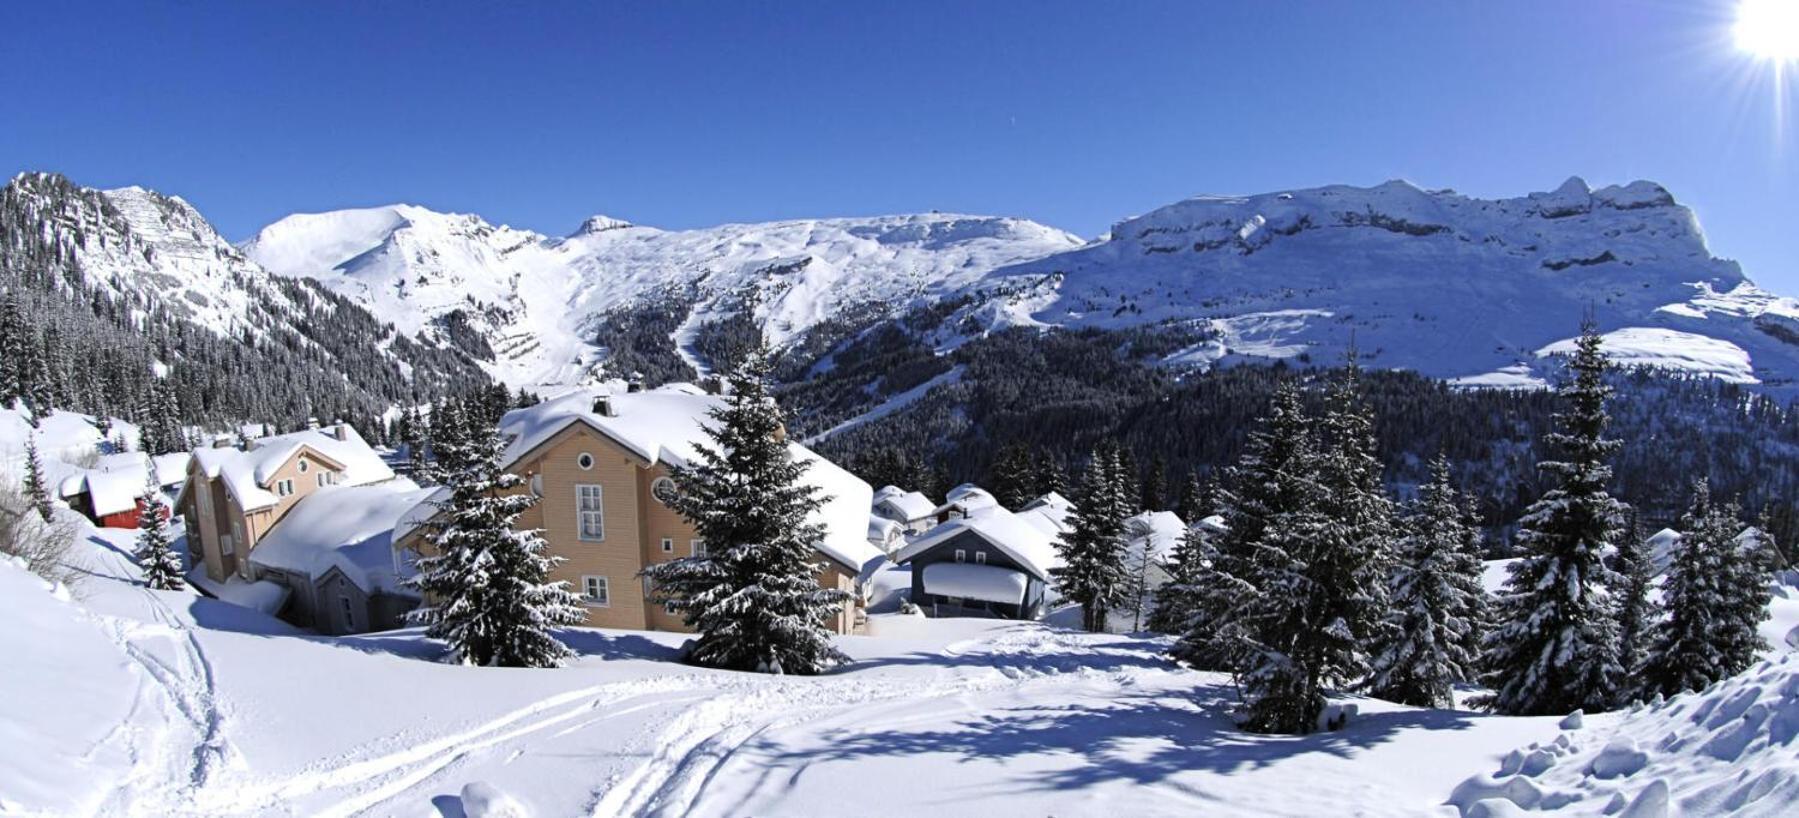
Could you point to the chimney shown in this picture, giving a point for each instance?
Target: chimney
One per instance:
(634, 383)
(223, 442)
(312, 423)
(341, 431)
(602, 406)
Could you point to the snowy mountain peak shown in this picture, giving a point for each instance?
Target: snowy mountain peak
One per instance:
(599, 223)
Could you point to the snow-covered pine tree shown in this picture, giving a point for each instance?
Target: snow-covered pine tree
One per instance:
(1092, 573)
(1140, 565)
(1555, 647)
(1436, 603)
(1050, 478)
(1155, 486)
(1636, 620)
(1188, 566)
(155, 552)
(14, 335)
(486, 584)
(754, 596)
(1707, 635)
(1269, 481)
(1014, 478)
(35, 489)
(1349, 565)
(450, 434)
(1195, 502)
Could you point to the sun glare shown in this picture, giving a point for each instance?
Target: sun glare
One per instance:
(1769, 28)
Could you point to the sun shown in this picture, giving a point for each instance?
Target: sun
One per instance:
(1769, 29)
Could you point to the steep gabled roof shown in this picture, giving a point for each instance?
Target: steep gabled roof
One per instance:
(349, 528)
(1025, 543)
(248, 472)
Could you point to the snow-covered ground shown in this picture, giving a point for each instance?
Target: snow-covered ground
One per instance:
(137, 702)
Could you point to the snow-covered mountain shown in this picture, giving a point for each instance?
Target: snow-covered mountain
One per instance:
(537, 300)
(1445, 284)
(154, 250)
(1483, 291)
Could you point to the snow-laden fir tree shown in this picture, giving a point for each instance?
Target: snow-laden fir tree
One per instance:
(1014, 476)
(1196, 501)
(1436, 602)
(1715, 600)
(1050, 477)
(486, 584)
(1187, 567)
(1636, 619)
(35, 489)
(1141, 567)
(1555, 646)
(753, 596)
(1093, 573)
(1155, 486)
(1270, 483)
(155, 551)
(1348, 564)
(451, 432)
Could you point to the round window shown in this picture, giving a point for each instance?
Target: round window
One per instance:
(585, 461)
(302, 467)
(663, 489)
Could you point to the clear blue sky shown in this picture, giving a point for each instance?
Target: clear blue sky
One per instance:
(1075, 114)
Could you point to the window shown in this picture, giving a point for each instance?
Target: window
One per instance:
(663, 489)
(592, 517)
(349, 613)
(324, 479)
(961, 555)
(227, 545)
(698, 547)
(303, 465)
(284, 488)
(668, 545)
(584, 460)
(980, 558)
(595, 591)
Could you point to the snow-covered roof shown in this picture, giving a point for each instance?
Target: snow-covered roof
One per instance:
(345, 527)
(989, 583)
(881, 529)
(910, 504)
(1158, 531)
(967, 498)
(1212, 525)
(117, 480)
(665, 425)
(1029, 545)
(1051, 518)
(247, 472)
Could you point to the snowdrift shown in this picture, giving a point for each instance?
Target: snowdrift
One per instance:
(1728, 749)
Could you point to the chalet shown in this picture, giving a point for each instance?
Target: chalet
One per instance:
(111, 493)
(982, 561)
(887, 535)
(600, 464)
(910, 509)
(964, 501)
(334, 555)
(234, 497)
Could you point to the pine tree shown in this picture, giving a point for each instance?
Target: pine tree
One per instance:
(1194, 504)
(486, 584)
(1436, 600)
(1349, 565)
(1188, 565)
(1636, 573)
(1556, 645)
(1050, 476)
(1155, 486)
(162, 566)
(449, 435)
(1013, 477)
(1708, 635)
(35, 489)
(1269, 487)
(754, 596)
(14, 337)
(1092, 573)
(1140, 565)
